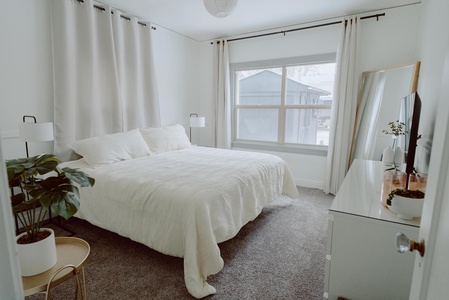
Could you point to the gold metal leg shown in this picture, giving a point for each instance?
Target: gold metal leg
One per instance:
(50, 281)
(83, 278)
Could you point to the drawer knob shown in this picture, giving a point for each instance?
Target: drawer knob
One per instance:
(404, 244)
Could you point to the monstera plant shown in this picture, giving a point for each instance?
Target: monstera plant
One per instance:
(40, 185)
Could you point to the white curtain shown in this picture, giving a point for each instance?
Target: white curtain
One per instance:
(136, 73)
(86, 100)
(368, 111)
(344, 105)
(223, 99)
(92, 90)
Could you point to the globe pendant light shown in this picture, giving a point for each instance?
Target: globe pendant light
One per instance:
(220, 8)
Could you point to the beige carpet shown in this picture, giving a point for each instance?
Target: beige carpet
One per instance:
(280, 255)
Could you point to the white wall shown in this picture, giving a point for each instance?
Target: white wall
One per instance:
(205, 102)
(433, 49)
(26, 71)
(176, 59)
(389, 42)
(392, 40)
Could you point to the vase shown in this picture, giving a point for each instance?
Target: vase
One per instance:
(395, 138)
(38, 257)
(398, 157)
(388, 157)
(417, 181)
(392, 179)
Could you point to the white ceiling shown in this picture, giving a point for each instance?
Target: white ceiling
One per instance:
(190, 18)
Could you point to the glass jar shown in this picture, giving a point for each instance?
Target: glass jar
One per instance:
(417, 181)
(392, 179)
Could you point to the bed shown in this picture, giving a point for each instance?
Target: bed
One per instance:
(178, 199)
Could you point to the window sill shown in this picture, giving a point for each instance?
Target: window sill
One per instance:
(314, 150)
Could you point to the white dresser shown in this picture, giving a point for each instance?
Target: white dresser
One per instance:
(362, 261)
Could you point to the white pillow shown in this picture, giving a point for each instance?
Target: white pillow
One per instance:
(162, 139)
(111, 148)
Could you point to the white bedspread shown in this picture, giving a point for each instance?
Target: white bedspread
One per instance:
(184, 202)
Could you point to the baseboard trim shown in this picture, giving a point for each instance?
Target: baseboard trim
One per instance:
(309, 183)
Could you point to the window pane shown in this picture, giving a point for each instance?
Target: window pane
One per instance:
(310, 84)
(307, 126)
(259, 87)
(257, 124)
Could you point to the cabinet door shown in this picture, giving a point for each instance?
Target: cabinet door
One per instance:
(364, 263)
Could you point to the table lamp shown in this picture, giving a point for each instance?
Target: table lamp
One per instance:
(34, 131)
(196, 121)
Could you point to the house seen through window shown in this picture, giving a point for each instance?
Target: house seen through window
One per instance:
(289, 104)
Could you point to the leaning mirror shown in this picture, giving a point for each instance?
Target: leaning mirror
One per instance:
(379, 102)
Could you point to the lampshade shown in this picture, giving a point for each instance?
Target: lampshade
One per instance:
(36, 132)
(197, 122)
(220, 8)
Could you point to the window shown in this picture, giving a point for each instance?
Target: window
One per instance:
(286, 104)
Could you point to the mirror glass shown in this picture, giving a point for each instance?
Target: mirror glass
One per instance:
(379, 102)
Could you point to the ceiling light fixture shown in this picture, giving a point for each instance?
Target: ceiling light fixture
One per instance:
(220, 8)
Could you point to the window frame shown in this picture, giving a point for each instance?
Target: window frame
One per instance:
(280, 145)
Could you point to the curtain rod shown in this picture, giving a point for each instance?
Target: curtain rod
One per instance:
(123, 16)
(301, 28)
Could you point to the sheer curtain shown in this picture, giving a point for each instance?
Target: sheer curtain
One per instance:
(103, 73)
(344, 105)
(223, 100)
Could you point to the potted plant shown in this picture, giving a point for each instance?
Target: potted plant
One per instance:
(397, 129)
(405, 203)
(56, 190)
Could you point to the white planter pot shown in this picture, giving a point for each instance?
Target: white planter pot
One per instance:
(407, 208)
(37, 257)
